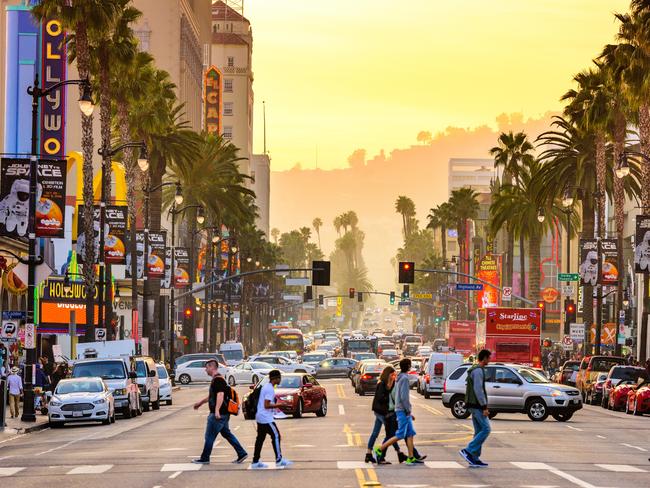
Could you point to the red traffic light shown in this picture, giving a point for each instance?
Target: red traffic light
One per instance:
(541, 304)
(351, 292)
(406, 272)
(570, 308)
(188, 312)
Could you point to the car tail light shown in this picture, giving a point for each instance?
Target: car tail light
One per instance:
(413, 372)
(438, 368)
(366, 376)
(444, 387)
(427, 378)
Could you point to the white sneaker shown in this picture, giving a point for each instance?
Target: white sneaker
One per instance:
(259, 465)
(283, 463)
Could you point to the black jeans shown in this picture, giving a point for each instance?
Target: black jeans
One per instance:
(262, 431)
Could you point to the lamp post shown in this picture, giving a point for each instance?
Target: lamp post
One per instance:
(86, 106)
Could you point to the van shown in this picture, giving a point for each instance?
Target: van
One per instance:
(439, 366)
(148, 382)
(233, 352)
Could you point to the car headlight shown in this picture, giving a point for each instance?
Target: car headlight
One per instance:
(121, 391)
(287, 398)
(555, 393)
(54, 403)
(99, 402)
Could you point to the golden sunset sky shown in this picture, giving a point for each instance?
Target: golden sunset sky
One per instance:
(338, 75)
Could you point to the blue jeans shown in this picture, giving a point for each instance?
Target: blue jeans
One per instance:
(379, 422)
(481, 432)
(215, 427)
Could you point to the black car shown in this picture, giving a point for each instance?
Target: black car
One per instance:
(368, 377)
(335, 367)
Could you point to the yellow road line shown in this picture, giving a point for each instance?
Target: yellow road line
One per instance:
(348, 434)
(430, 409)
(340, 391)
(357, 439)
(371, 481)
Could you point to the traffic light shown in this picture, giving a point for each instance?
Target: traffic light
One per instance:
(309, 293)
(406, 272)
(351, 292)
(392, 298)
(320, 276)
(360, 297)
(406, 294)
(187, 313)
(569, 314)
(541, 304)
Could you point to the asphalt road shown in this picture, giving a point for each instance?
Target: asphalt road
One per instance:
(597, 448)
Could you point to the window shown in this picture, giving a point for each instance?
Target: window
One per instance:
(504, 375)
(227, 85)
(227, 108)
(197, 364)
(231, 61)
(227, 132)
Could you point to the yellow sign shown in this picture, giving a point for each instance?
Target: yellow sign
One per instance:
(423, 295)
(213, 101)
(339, 306)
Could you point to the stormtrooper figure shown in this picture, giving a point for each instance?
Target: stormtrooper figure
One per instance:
(642, 252)
(139, 252)
(166, 282)
(81, 239)
(589, 269)
(14, 208)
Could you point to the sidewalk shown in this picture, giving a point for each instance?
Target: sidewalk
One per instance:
(16, 426)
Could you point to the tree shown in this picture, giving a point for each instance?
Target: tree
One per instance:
(293, 249)
(275, 233)
(317, 223)
(441, 217)
(305, 232)
(464, 206)
(405, 207)
(337, 225)
(424, 137)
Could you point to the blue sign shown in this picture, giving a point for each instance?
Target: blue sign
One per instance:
(469, 286)
(404, 303)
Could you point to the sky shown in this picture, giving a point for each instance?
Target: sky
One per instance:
(339, 75)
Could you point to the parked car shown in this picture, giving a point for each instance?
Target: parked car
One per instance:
(439, 366)
(148, 382)
(81, 400)
(617, 399)
(638, 399)
(185, 358)
(194, 371)
(165, 384)
(368, 377)
(617, 375)
(335, 367)
(360, 356)
(298, 394)
(283, 364)
(248, 372)
(595, 392)
(514, 388)
(591, 366)
(389, 355)
(565, 373)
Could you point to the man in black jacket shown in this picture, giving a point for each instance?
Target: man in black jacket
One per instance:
(477, 402)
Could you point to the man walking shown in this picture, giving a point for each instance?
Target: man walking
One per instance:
(219, 417)
(477, 402)
(266, 424)
(15, 386)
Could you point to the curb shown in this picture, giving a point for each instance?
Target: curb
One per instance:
(27, 430)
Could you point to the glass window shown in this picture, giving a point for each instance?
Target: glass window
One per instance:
(231, 61)
(197, 364)
(228, 108)
(65, 387)
(108, 370)
(162, 372)
(140, 369)
(227, 132)
(532, 376)
(247, 367)
(458, 372)
(227, 85)
(504, 375)
(235, 354)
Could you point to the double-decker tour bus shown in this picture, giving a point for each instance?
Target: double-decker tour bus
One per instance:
(512, 334)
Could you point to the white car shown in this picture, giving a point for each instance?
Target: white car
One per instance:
(424, 351)
(165, 384)
(194, 371)
(249, 372)
(81, 400)
(284, 364)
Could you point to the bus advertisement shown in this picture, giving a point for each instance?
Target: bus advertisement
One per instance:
(462, 336)
(289, 340)
(513, 335)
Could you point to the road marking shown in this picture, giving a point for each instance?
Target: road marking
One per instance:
(340, 391)
(175, 475)
(621, 468)
(443, 464)
(557, 472)
(539, 486)
(136, 450)
(236, 428)
(348, 434)
(9, 471)
(11, 439)
(464, 426)
(5, 457)
(601, 437)
(573, 428)
(634, 447)
(172, 449)
(453, 439)
(372, 478)
(341, 410)
(351, 465)
(90, 469)
(65, 445)
(530, 465)
(270, 467)
(180, 467)
(357, 439)
(471, 486)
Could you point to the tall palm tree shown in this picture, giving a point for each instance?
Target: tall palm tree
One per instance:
(338, 224)
(406, 208)
(317, 223)
(441, 218)
(306, 233)
(464, 207)
(275, 233)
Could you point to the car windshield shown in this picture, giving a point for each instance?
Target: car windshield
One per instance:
(162, 372)
(107, 370)
(605, 364)
(140, 369)
(532, 376)
(629, 374)
(390, 352)
(290, 382)
(362, 356)
(313, 358)
(233, 354)
(88, 386)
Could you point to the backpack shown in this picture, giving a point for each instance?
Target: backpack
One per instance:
(250, 405)
(233, 402)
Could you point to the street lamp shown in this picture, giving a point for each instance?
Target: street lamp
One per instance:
(249, 259)
(540, 215)
(117, 297)
(623, 167)
(567, 198)
(86, 104)
(178, 197)
(143, 159)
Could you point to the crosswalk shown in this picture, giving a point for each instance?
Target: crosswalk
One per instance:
(619, 468)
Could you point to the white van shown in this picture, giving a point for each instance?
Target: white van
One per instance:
(233, 352)
(439, 366)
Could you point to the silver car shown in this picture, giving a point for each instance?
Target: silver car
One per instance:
(165, 384)
(81, 400)
(513, 388)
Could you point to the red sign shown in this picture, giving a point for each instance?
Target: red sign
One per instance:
(462, 327)
(550, 294)
(488, 271)
(513, 321)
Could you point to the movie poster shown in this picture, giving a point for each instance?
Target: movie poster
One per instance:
(139, 250)
(642, 245)
(156, 259)
(488, 270)
(589, 266)
(114, 241)
(181, 267)
(609, 267)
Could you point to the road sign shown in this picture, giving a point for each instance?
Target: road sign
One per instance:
(100, 334)
(568, 277)
(568, 290)
(506, 295)
(339, 306)
(577, 332)
(567, 343)
(469, 286)
(405, 303)
(422, 296)
(30, 336)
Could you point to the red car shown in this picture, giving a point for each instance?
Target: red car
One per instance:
(638, 400)
(300, 393)
(618, 396)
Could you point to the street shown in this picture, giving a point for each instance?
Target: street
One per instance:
(597, 448)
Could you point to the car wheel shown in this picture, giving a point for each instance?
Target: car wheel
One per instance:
(458, 407)
(298, 413)
(322, 411)
(537, 410)
(255, 379)
(427, 395)
(184, 379)
(55, 425)
(107, 420)
(231, 381)
(563, 416)
(127, 413)
(169, 402)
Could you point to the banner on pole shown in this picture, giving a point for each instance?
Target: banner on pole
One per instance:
(589, 266)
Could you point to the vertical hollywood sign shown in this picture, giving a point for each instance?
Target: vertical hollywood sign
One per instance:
(53, 70)
(213, 101)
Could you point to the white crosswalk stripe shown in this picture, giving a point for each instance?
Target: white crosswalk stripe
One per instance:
(621, 468)
(443, 465)
(91, 469)
(9, 471)
(180, 467)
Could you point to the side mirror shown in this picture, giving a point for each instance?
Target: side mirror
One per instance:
(252, 387)
(152, 373)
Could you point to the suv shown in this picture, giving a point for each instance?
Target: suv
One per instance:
(514, 388)
(148, 382)
(591, 366)
(283, 364)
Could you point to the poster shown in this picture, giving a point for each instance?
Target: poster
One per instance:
(588, 268)
(139, 250)
(156, 258)
(488, 271)
(53, 69)
(181, 267)
(115, 223)
(642, 245)
(14, 198)
(609, 267)
(166, 282)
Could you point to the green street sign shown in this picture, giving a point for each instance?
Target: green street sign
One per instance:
(568, 277)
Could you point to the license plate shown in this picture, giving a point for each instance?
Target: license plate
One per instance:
(576, 401)
(77, 414)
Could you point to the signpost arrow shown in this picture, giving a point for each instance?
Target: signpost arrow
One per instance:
(568, 277)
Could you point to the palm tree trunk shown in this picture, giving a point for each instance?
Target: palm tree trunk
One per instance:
(588, 224)
(644, 139)
(510, 255)
(522, 267)
(601, 174)
(534, 244)
(443, 237)
(619, 203)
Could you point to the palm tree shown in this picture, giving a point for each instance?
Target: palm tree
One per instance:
(441, 218)
(317, 223)
(305, 232)
(464, 206)
(275, 233)
(337, 225)
(405, 207)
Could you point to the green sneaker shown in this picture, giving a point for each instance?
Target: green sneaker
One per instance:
(413, 461)
(378, 453)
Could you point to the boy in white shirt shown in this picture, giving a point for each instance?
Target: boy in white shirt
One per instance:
(266, 425)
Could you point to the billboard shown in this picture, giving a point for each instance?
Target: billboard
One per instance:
(609, 265)
(53, 70)
(213, 101)
(589, 267)
(488, 271)
(181, 267)
(156, 258)
(642, 245)
(14, 198)
(513, 322)
(56, 305)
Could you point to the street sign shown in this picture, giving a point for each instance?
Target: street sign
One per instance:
(100, 334)
(568, 290)
(404, 303)
(469, 286)
(421, 296)
(567, 343)
(568, 277)
(30, 336)
(506, 295)
(300, 281)
(577, 332)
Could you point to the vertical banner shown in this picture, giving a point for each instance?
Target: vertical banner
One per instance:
(488, 270)
(114, 246)
(139, 251)
(642, 245)
(166, 282)
(609, 266)
(213, 101)
(182, 267)
(14, 198)
(156, 259)
(53, 70)
(589, 266)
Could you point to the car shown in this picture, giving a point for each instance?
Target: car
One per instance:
(389, 355)
(424, 351)
(616, 375)
(638, 399)
(368, 378)
(247, 372)
(120, 378)
(514, 388)
(335, 367)
(148, 382)
(313, 358)
(617, 398)
(298, 394)
(439, 366)
(283, 364)
(199, 355)
(595, 392)
(414, 372)
(410, 349)
(361, 356)
(384, 344)
(233, 352)
(81, 400)
(165, 384)
(194, 372)
(591, 366)
(356, 371)
(565, 373)
(326, 348)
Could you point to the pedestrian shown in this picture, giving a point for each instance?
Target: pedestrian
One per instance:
(380, 407)
(218, 417)
(405, 418)
(266, 424)
(477, 403)
(15, 387)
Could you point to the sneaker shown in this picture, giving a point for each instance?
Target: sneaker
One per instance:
(383, 461)
(402, 457)
(283, 463)
(240, 459)
(370, 458)
(421, 457)
(379, 454)
(412, 461)
(259, 465)
(200, 461)
(466, 456)
(479, 464)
